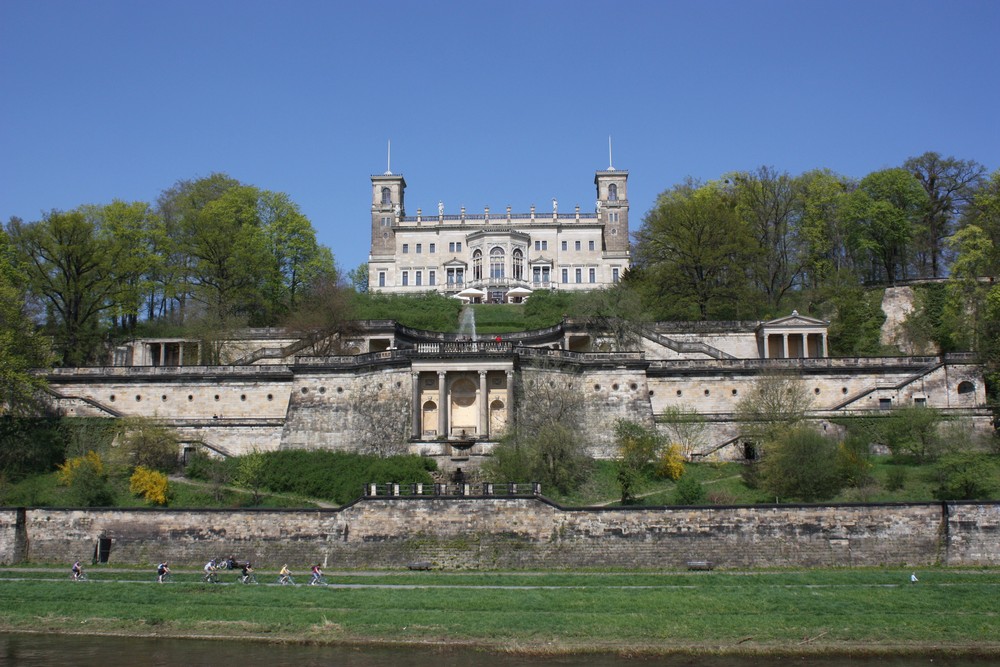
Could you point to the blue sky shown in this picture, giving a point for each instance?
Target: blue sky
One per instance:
(486, 103)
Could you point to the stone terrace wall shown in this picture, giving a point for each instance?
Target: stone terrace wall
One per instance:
(517, 532)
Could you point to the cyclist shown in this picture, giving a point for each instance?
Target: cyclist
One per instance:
(77, 571)
(162, 570)
(247, 573)
(317, 574)
(285, 575)
(210, 568)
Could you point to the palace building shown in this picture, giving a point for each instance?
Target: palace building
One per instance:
(498, 256)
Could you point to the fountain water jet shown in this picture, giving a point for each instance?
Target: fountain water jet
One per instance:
(467, 322)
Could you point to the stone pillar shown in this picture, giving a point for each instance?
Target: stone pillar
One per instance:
(483, 428)
(442, 404)
(824, 345)
(163, 353)
(805, 346)
(784, 346)
(180, 354)
(510, 399)
(418, 410)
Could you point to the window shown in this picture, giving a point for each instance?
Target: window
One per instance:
(579, 275)
(590, 246)
(451, 247)
(613, 217)
(477, 265)
(386, 196)
(593, 275)
(456, 276)
(419, 278)
(454, 247)
(419, 248)
(564, 245)
(381, 278)
(431, 278)
(612, 192)
(458, 246)
(545, 274)
(406, 248)
(386, 221)
(406, 278)
(497, 263)
(536, 275)
(432, 248)
(545, 245)
(565, 275)
(577, 246)
(614, 275)
(517, 258)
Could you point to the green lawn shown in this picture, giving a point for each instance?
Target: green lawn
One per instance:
(854, 611)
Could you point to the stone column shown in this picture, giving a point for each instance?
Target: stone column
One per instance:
(510, 397)
(824, 345)
(483, 427)
(416, 428)
(805, 346)
(163, 353)
(180, 354)
(784, 346)
(442, 405)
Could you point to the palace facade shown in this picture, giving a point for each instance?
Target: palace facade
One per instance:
(497, 256)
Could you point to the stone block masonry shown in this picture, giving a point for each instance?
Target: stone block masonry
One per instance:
(516, 532)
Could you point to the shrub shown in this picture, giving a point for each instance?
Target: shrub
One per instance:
(151, 485)
(963, 477)
(895, 480)
(802, 464)
(671, 463)
(689, 492)
(87, 481)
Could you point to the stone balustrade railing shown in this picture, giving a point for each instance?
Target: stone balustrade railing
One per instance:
(482, 489)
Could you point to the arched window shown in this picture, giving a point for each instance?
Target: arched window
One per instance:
(386, 196)
(496, 263)
(612, 192)
(966, 387)
(517, 268)
(477, 265)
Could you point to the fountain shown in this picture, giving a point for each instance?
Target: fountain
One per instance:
(467, 323)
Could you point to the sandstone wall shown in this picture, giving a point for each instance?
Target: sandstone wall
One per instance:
(518, 532)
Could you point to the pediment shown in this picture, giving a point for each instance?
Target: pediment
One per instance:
(794, 321)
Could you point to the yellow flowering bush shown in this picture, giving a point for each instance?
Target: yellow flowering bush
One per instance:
(671, 463)
(91, 462)
(150, 485)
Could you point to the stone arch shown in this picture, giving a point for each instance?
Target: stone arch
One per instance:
(462, 412)
(966, 387)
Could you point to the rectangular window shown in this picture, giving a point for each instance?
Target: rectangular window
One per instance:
(545, 245)
(564, 245)
(406, 248)
(538, 245)
(419, 248)
(613, 216)
(565, 274)
(451, 247)
(431, 277)
(536, 275)
(577, 246)
(419, 278)
(406, 278)
(593, 275)
(545, 274)
(579, 275)
(386, 221)
(458, 246)
(432, 249)
(381, 278)
(590, 245)
(614, 275)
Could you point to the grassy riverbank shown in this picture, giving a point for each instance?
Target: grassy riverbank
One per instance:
(831, 611)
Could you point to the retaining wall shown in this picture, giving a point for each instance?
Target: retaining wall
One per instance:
(516, 532)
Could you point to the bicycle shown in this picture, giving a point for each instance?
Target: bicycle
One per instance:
(286, 580)
(249, 579)
(211, 577)
(165, 577)
(79, 577)
(319, 581)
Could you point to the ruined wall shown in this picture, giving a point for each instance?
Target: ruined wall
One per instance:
(519, 532)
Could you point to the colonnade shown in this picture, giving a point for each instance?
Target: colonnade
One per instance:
(444, 401)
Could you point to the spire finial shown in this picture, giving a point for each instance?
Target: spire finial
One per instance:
(388, 158)
(611, 165)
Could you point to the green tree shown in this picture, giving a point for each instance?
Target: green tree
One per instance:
(949, 183)
(973, 257)
(822, 227)
(768, 202)
(251, 472)
(358, 278)
(882, 214)
(801, 464)
(690, 251)
(71, 269)
(22, 348)
(688, 491)
(911, 431)
(984, 212)
(636, 447)
(615, 314)
(141, 442)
